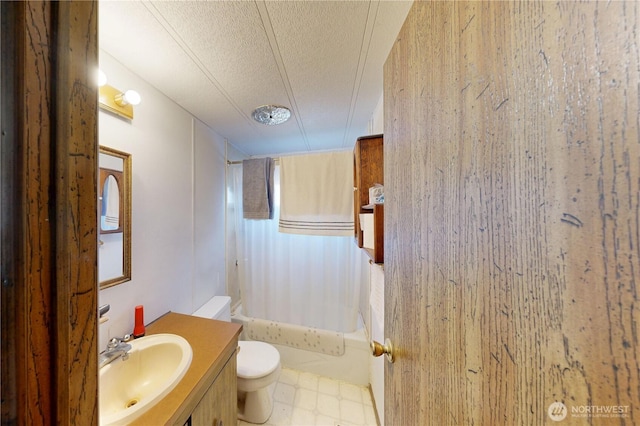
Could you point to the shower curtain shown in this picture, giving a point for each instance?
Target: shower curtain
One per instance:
(313, 281)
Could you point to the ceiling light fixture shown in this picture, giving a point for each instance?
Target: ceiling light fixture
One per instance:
(271, 114)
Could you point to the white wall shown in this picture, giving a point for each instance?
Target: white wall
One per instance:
(178, 178)
(209, 231)
(376, 123)
(376, 332)
(376, 327)
(233, 274)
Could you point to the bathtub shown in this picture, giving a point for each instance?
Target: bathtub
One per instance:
(351, 365)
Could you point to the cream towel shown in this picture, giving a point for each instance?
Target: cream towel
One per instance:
(316, 194)
(257, 188)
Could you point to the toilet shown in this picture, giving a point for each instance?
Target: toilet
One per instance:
(258, 367)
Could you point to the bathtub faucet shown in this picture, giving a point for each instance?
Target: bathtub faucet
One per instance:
(116, 348)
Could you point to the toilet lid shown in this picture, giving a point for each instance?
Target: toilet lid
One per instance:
(256, 359)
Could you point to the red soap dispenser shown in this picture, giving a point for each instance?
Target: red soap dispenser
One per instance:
(138, 329)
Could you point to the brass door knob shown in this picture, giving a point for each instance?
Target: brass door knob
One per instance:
(377, 349)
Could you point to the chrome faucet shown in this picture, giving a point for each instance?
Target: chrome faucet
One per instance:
(116, 348)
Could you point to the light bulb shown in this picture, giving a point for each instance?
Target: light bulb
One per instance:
(130, 97)
(102, 78)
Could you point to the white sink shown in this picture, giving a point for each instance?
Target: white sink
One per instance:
(128, 388)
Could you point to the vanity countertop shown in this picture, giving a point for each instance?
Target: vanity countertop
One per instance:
(212, 343)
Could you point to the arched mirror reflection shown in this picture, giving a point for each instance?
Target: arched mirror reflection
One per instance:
(114, 207)
(110, 205)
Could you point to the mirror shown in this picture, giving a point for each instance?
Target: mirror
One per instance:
(114, 209)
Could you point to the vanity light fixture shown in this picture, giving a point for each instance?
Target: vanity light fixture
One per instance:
(271, 114)
(130, 97)
(117, 102)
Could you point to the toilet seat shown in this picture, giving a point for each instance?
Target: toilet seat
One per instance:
(256, 359)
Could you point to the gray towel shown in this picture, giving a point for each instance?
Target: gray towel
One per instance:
(257, 188)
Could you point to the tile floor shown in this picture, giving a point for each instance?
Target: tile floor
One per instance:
(305, 399)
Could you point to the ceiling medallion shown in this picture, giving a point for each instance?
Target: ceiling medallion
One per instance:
(271, 114)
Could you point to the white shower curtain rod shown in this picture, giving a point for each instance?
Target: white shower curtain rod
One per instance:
(276, 159)
(229, 163)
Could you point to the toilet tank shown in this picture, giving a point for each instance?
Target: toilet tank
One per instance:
(218, 308)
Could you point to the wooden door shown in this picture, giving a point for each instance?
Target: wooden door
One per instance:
(512, 232)
(48, 193)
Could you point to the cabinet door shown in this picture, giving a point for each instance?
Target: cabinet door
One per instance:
(218, 407)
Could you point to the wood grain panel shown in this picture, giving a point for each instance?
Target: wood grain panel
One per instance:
(76, 183)
(9, 219)
(27, 236)
(219, 405)
(49, 215)
(512, 164)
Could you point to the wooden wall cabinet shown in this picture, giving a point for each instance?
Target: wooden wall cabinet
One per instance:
(368, 170)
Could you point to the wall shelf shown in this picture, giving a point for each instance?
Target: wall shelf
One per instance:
(375, 249)
(367, 172)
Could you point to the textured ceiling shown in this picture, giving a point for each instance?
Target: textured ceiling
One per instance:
(220, 60)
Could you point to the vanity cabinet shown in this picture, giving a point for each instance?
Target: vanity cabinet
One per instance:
(207, 394)
(218, 406)
(368, 219)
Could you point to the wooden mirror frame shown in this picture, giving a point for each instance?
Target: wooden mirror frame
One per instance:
(124, 184)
